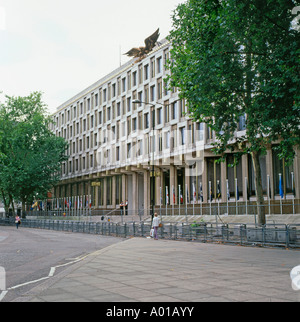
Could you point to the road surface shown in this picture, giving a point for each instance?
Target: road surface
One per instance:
(27, 256)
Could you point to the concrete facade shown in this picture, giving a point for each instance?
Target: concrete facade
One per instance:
(114, 144)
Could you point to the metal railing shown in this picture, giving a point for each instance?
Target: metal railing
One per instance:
(275, 235)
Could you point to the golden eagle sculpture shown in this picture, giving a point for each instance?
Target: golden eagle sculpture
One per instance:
(142, 52)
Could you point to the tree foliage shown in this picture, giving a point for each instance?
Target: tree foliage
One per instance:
(30, 154)
(234, 58)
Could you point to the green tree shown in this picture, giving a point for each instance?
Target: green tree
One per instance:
(235, 58)
(30, 154)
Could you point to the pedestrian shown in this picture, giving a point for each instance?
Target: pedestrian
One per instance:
(17, 221)
(122, 207)
(155, 225)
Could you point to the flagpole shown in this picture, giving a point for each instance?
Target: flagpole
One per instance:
(194, 198)
(167, 200)
(160, 191)
(280, 192)
(179, 198)
(268, 193)
(218, 194)
(246, 194)
(209, 197)
(174, 200)
(186, 201)
(227, 195)
(236, 197)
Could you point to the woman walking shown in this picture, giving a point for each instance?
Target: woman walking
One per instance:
(17, 221)
(155, 225)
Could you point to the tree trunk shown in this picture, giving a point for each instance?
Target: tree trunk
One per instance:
(6, 204)
(258, 189)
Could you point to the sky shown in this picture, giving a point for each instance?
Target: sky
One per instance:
(61, 47)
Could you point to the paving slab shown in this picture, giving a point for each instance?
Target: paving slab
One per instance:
(146, 270)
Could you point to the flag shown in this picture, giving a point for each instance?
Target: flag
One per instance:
(293, 185)
(201, 192)
(280, 186)
(237, 192)
(174, 199)
(194, 193)
(218, 190)
(167, 195)
(180, 196)
(211, 195)
(228, 192)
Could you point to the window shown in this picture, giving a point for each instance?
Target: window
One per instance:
(123, 84)
(152, 68)
(146, 72)
(152, 93)
(159, 88)
(174, 107)
(128, 150)
(146, 93)
(128, 104)
(140, 74)
(159, 64)
(134, 124)
(118, 153)
(140, 97)
(108, 113)
(118, 109)
(167, 116)
(134, 78)
(146, 122)
(129, 80)
(159, 116)
(114, 90)
(242, 122)
(167, 140)
(140, 148)
(119, 86)
(160, 145)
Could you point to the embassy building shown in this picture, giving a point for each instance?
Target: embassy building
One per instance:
(130, 139)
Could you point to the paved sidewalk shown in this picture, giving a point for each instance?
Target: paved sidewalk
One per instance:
(144, 270)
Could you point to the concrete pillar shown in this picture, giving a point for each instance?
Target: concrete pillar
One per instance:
(158, 185)
(204, 180)
(104, 190)
(245, 174)
(124, 184)
(173, 184)
(113, 192)
(223, 181)
(187, 180)
(134, 206)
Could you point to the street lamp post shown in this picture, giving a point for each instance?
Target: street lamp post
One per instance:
(153, 141)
